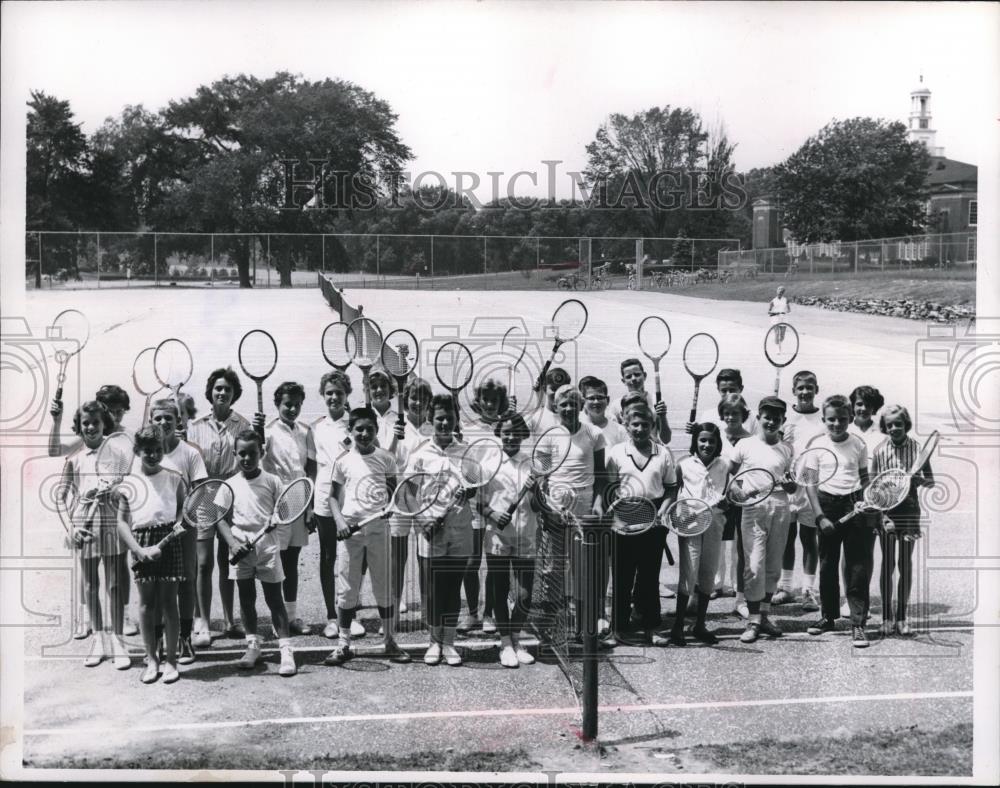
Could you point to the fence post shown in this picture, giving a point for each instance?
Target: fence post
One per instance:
(856, 256)
(486, 269)
(156, 270)
(40, 261)
(881, 256)
(98, 261)
(811, 254)
(268, 256)
(432, 262)
(322, 253)
(378, 255)
(538, 252)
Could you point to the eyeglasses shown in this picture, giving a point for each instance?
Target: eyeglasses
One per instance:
(596, 398)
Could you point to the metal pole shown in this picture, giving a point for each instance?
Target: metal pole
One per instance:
(39, 281)
(322, 261)
(98, 261)
(538, 253)
(156, 270)
(378, 255)
(432, 262)
(485, 268)
(268, 259)
(212, 259)
(590, 604)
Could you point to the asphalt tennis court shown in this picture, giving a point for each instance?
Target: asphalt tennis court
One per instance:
(654, 702)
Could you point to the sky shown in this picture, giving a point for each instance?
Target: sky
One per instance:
(494, 86)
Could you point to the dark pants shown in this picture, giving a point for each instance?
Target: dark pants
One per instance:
(741, 562)
(501, 570)
(444, 589)
(858, 541)
(326, 527)
(890, 542)
(635, 569)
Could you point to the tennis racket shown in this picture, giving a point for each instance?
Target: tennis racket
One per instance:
(781, 346)
(750, 487)
(72, 325)
(206, 504)
(632, 515)
(476, 468)
(335, 345)
(291, 505)
(453, 367)
(400, 355)
(688, 517)
(513, 346)
(144, 379)
(701, 354)
(173, 366)
(886, 491)
(258, 354)
(112, 464)
(548, 454)
(364, 342)
(413, 496)
(569, 320)
(654, 342)
(814, 466)
(926, 451)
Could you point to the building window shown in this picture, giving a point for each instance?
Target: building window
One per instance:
(923, 123)
(973, 212)
(970, 250)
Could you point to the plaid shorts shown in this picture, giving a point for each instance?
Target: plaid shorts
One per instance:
(169, 566)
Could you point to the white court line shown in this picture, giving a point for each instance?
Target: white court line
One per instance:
(481, 713)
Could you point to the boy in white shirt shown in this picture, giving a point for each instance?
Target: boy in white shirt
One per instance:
(595, 399)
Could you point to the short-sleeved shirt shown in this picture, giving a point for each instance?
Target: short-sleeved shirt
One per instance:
(386, 424)
(778, 306)
(711, 415)
(80, 475)
(454, 536)
(287, 449)
(615, 408)
(637, 474)
(519, 538)
(254, 499)
(801, 428)
(183, 458)
(363, 477)
(614, 433)
(330, 439)
(704, 482)
(152, 500)
(888, 456)
(413, 438)
(541, 420)
(755, 452)
(217, 442)
(577, 470)
(872, 436)
(852, 458)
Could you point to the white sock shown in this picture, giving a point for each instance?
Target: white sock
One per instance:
(331, 621)
(810, 583)
(740, 598)
(251, 640)
(283, 642)
(786, 579)
(292, 608)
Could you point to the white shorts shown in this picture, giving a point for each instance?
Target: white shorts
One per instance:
(800, 509)
(263, 562)
(779, 318)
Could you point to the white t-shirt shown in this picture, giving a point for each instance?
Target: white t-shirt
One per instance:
(754, 452)
(186, 460)
(852, 457)
(330, 440)
(614, 433)
(288, 449)
(801, 428)
(363, 477)
(254, 500)
(518, 538)
(778, 306)
(577, 470)
(152, 499)
(386, 425)
(872, 436)
(541, 420)
(638, 474)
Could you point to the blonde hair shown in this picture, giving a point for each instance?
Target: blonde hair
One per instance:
(891, 412)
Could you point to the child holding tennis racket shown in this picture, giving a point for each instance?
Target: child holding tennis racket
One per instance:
(113, 398)
(364, 478)
(634, 377)
(150, 503)
(830, 501)
(544, 416)
(97, 541)
(702, 476)
(381, 389)
(511, 541)
(214, 434)
(183, 457)
(332, 439)
(255, 493)
(727, 381)
(902, 524)
(639, 467)
(804, 423)
(764, 523)
(290, 453)
(734, 414)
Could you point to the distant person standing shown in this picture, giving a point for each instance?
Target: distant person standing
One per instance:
(779, 310)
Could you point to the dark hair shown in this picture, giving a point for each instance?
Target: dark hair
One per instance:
(444, 402)
(93, 406)
(247, 435)
(517, 424)
(706, 426)
(423, 389)
(631, 399)
(291, 389)
(357, 414)
(803, 373)
(230, 377)
(733, 401)
(729, 375)
(870, 396)
(491, 385)
(837, 401)
(110, 396)
(590, 382)
(895, 410)
(631, 362)
(336, 376)
(148, 436)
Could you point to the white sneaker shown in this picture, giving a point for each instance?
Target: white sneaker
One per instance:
(403, 608)
(810, 604)
(508, 657)
(129, 627)
(451, 656)
(603, 627)
(170, 673)
(331, 630)
(524, 656)
(357, 629)
(743, 611)
(489, 625)
(845, 609)
(249, 660)
(119, 654)
(433, 655)
(287, 662)
(97, 652)
(202, 638)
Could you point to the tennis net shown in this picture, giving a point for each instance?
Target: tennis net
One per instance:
(348, 313)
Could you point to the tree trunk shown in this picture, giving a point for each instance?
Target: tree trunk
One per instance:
(284, 266)
(241, 251)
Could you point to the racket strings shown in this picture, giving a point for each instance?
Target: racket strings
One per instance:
(633, 513)
(293, 501)
(888, 489)
(570, 319)
(690, 517)
(258, 354)
(172, 363)
(654, 337)
(701, 354)
(399, 353)
(335, 344)
(208, 503)
(365, 341)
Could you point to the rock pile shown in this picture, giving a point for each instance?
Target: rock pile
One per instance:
(911, 310)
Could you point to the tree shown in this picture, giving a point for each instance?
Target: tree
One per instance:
(856, 179)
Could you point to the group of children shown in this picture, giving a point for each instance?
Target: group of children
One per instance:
(358, 456)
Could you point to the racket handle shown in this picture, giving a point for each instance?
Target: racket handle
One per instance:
(694, 402)
(59, 392)
(849, 516)
(239, 555)
(540, 383)
(513, 507)
(401, 417)
(179, 530)
(668, 554)
(656, 378)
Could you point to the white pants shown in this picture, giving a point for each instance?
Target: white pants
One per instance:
(765, 529)
(371, 541)
(700, 558)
